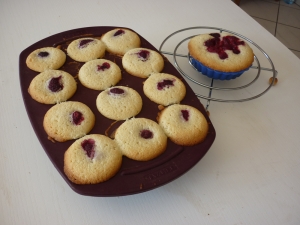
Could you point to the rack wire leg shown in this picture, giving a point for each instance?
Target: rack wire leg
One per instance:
(209, 95)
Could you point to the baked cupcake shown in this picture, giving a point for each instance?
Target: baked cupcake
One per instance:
(120, 40)
(119, 103)
(141, 62)
(220, 56)
(99, 74)
(68, 120)
(183, 124)
(45, 58)
(164, 89)
(141, 139)
(92, 159)
(86, 49)
(52, 86)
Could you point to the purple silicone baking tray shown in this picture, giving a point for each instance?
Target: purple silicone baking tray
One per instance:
(134, 176)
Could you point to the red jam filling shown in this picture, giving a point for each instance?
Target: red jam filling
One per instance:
(185, 114)
(143, 55)
(55, 84)
(216, 45)
(77, 117)
(43, 54)
(117, 91)
(88, 146)
(119, 32)
(83, 43)
(146, 134)
(103, 67)
(165, 83)
(216, 35)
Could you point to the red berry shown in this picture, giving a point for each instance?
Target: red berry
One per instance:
(185, 114)
(55, 84)
(147, 134)
(83, 43)
(77, 117)
(215, 45)
(88, 146)
(104, 66)
(143, 55)
(119, 32)
(43, 54)
(118, 91)
(165, 83)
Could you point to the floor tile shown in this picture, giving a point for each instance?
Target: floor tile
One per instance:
(287, 29)
(289, 16)
(297, 53)
(294, 5)
(289, 36)
(260, 9)
(268, 25)
(273, 1)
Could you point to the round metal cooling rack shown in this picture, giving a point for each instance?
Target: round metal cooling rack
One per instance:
(273, 79)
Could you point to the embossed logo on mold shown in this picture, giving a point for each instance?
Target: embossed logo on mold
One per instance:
(162, 172)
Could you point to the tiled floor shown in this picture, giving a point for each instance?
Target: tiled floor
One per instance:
(279, 18)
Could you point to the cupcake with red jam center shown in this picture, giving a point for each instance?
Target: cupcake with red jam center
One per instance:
(220, 55)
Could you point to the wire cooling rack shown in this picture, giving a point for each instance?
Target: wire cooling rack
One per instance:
(269, 68)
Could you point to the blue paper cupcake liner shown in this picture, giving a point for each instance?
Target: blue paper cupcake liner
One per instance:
(218, 75)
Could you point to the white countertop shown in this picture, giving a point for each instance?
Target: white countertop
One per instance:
(251, 173)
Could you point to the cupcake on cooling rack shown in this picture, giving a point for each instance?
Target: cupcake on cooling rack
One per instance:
(220, 56)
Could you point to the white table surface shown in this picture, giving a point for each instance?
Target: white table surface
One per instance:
(250, 175)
